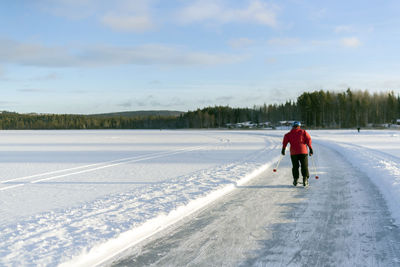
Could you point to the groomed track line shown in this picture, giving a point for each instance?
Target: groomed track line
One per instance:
(100, 165)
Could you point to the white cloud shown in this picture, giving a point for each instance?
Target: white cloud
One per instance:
(47, 77)
(137, 15)
(200, 11)
(129, 16)
(31, 90)
(321, 43)
(45, 56)
(156, 54)
(128, 23)
(318, 14)
(352, 42)
(271, 60)
(70, 9)
(35, 54)
(224, 99)
(119, 15)
(343, 29)
(216, 11)
(284, 41)
(241, 42)
(153, 102)
(259, 12)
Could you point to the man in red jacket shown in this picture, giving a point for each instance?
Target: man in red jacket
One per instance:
(299, 139)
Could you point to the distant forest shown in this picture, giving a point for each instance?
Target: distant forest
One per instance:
(318, 109)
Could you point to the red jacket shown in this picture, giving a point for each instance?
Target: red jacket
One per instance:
(299, 139)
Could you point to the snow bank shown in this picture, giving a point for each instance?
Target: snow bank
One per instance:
(106, 251)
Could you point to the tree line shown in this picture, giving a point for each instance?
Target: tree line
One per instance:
(318, 109)
(15, 121)
(325, 109)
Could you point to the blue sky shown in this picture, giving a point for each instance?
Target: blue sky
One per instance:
(94, 56)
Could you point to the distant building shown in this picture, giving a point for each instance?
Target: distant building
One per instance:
(265, 124)
(248, 124)
(286, 123)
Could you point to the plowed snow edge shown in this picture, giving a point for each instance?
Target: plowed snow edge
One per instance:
(106, 251)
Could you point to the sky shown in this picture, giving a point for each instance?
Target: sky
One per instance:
(97, 56)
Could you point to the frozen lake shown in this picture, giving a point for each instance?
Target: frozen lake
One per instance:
(82, 197)
(50, 178)
(59, 169)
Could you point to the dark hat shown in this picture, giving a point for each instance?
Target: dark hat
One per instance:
(296, 123)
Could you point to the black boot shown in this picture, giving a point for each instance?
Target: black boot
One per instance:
(295, 181)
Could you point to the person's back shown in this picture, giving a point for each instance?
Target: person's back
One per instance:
(299, 139)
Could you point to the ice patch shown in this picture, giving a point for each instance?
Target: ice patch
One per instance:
(383, 169)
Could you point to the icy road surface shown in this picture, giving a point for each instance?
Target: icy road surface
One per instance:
(340, 220)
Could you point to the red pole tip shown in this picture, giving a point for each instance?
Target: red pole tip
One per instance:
(274, 170)
(316, 177)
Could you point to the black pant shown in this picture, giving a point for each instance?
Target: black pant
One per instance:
(303, 160)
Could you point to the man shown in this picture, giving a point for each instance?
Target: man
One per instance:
(299, 139)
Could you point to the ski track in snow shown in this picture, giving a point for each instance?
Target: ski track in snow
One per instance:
(52, 238)
(340, 220)
(88, 168)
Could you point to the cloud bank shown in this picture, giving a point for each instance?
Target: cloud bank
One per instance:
(128, 23)
(96, 56)
(216, 11)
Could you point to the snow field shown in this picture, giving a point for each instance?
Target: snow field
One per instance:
(73, 211)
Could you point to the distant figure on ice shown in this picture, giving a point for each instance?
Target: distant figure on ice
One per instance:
(299, 139)
(358, 129)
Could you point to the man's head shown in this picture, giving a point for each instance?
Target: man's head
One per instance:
(296, 124)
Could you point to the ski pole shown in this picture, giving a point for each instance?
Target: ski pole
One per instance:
(315, 168)
(277, 165)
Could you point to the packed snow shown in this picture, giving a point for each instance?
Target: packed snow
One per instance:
(373, 152)
(81, 197)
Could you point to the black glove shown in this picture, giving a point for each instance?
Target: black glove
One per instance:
(283, 152)
(311, 152)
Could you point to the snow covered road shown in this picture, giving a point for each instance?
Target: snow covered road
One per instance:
(342, 219)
